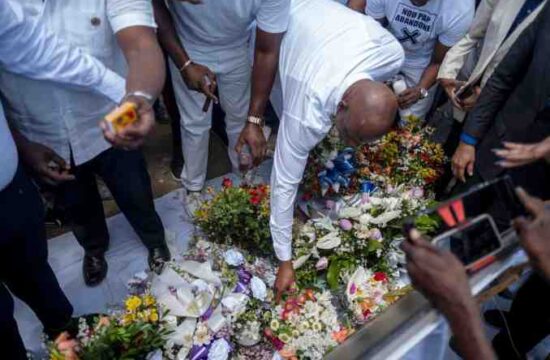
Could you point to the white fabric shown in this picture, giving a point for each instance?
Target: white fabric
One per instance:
(422, 106)
(419, 27)
(327, 48)
(58, 116)
(28, 48)
(219, 27)
(217, 34)
(234, 95)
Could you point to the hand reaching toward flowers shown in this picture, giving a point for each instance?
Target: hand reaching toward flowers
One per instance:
(441, 277)
(285, 279)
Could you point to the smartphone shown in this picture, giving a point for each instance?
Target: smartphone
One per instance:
(465, 92)
(496, 198)
(475, 242)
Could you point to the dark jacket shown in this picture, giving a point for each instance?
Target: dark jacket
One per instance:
(514, 104)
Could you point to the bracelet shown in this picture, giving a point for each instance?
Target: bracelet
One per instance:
(186, 65)
(468, 139)
(142, 94)
(256, 120)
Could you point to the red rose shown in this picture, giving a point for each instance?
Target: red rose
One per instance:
(380, 276)
(255, 200)
(366, 313)
(277, 343)
(227, 183)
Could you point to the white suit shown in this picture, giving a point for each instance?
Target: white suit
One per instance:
(217, 34)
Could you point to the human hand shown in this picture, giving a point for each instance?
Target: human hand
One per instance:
(534, 235)
(409, 97)
(451, 86)
(45, 163)
(133, 135)
(200, 78)
(253, 135)
(514, 155)
(469, 102)
(284, 280)
(463, 160)
(439, 275)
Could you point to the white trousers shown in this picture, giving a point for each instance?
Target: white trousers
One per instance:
(233, 72)
(421, 107)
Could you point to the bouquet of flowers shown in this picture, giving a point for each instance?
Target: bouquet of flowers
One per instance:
(132, 334)
(306, 326)
(238, 216)
(360, 230)
(370, 293)
(405, 155)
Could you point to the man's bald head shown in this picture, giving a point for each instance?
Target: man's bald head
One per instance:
(367, 112)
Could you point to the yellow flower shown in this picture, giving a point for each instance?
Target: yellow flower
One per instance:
(128, 319)
(133, 303)
(154, 317)
(149, 300)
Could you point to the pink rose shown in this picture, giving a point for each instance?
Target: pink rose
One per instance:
(322, 264)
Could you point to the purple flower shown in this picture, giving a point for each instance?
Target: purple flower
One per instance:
(322, 264)
(375, 234)
(417, 192)
(330, 204)
(352, 288)
(244, 276)
(346, 225)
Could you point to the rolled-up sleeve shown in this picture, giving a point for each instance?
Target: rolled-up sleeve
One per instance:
(126, 13)
(29, 49)
(294, 142)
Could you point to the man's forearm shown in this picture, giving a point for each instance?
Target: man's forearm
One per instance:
(470, 337)
(167, 34)
(266, 60)
(429, 76)
(146, 69)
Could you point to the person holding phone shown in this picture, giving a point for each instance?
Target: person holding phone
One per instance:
(442, 278)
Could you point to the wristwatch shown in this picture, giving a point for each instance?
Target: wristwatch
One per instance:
(256, 120)
(423, 93)
(150, 99)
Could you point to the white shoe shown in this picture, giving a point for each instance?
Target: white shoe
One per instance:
(192, 202)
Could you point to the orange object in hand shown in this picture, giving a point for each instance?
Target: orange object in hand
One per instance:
(124, 115)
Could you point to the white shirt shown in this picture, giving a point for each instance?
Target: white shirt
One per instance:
(419, 27)
(56, 115)
(27, 48)
(216, 28)
(326, 49)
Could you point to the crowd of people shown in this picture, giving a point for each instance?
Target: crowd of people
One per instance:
(476, 72)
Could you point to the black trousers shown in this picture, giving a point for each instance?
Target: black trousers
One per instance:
(24, 268)
(529, 320)
(125, 174)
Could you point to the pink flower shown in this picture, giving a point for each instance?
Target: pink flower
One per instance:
(322, 264)
(227, 183)
(375, 234)
(277, 343)
(417, 193)
(346, 225)
(352, 289)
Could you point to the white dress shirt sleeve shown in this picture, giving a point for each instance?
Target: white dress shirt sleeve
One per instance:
(294, 142)
(126, 13)
(376, 9)
(28, 48)
(273, 16)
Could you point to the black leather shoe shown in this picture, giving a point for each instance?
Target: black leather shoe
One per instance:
(157, 258)
(94, 268)
(496, 318)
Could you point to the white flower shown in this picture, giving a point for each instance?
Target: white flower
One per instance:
(259, 290)
(201, 335)
(274, 325)
(349, 213)
(284, 338)
(233, 257)
(220, 350)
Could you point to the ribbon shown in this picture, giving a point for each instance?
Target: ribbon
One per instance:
(338, 171)
(199, 352)
(241, 288)
(368, 187)
(244, 276)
